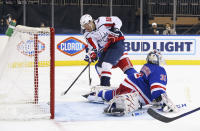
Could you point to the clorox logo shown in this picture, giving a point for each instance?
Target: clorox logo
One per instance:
(27, 47)
(71, 46)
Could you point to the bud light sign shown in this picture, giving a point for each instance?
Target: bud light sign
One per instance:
(142, 46)
(71, 46)
(27, 47)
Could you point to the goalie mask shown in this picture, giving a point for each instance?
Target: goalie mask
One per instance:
(85, 19)
(155, 57)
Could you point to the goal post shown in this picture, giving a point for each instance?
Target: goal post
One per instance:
(52, 73)
(27, 74)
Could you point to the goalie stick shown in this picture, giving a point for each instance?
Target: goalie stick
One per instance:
(165, 119)
(146, 107)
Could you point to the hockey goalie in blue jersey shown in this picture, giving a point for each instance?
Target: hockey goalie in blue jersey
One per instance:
(138, 89)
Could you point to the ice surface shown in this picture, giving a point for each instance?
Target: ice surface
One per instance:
(74, 113)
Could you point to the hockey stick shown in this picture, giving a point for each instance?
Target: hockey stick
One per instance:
(90, 79)
(165, 119)
(76, 79)
(146, 107)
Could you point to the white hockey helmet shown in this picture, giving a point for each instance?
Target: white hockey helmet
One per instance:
(155, 57)
(85, 19)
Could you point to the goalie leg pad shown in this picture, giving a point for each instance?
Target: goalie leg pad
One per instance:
(123, 104)
(98, 88)
(97, 94)
(93, 98)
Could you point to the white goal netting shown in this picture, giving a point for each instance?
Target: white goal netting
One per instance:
(26, 73)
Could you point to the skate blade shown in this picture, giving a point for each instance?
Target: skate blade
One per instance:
(118, 114)
(115, 112)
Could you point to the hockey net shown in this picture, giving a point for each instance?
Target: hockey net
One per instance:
(27, 75)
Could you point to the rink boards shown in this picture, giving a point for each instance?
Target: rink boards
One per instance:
(177, 50)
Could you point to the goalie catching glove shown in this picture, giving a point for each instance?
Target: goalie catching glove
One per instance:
(166, 104)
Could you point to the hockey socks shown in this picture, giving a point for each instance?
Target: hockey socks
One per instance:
(105, 81)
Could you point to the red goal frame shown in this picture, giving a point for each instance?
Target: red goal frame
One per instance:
(52, 71)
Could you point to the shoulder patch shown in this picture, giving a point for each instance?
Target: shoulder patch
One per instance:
(146, 70)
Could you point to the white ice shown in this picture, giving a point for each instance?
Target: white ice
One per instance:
(74, 113)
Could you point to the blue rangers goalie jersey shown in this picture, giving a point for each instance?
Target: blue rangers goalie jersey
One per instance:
(150, 82)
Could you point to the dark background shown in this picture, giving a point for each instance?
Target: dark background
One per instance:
(67, 13)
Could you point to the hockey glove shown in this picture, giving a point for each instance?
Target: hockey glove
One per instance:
(167, 104)
(87, 58)
(93, 55)
(113, 37)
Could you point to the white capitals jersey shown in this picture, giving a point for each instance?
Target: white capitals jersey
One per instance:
(99, 38)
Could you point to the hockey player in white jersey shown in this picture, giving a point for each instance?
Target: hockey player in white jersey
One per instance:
(105, 44)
